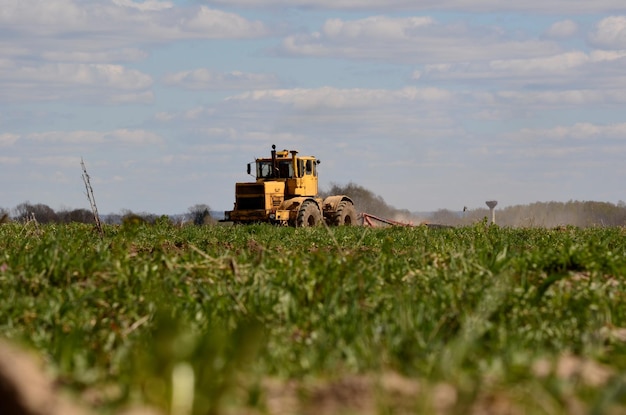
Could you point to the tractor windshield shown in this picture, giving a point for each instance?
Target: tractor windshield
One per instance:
(264, 169)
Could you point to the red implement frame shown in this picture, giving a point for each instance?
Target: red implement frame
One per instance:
(375, 221)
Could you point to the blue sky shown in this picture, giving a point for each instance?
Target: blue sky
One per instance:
(429, 104)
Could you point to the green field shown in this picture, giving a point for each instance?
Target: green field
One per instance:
(262, 320)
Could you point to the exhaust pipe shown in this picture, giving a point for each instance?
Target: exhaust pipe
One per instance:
(274, 162)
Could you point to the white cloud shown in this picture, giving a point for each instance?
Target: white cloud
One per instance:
(10, 160)
(56, 161)
(596, 69)
(610, 33)
(146, 5)
(335, 98)
(406, 114)
(206, 79)
(62, 81)
(83, 42)
(163, 116)
(578, 131)
(250, 137)
(562, 29)
(216, 24)
(375, 28)
(196, 113)
(560, 99)
(114, 76)
(143, 97)
(104, 56)
(412, 40)
(67, 137)
(43, 16)
(327, 117)
(535, 6)
(134, 137)
(122, 23)
(8, 139)
(120, 136)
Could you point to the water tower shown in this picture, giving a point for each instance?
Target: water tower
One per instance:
(492, 209)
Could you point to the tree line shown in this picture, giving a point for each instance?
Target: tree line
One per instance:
(24, 212)
(538, 214)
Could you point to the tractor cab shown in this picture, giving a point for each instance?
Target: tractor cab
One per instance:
(299, 173)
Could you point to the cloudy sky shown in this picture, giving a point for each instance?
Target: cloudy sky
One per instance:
(429, 104)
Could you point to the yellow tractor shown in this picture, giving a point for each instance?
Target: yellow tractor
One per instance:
(285, 193)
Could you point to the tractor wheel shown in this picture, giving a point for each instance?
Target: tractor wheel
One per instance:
(345, 214)
(308, 215)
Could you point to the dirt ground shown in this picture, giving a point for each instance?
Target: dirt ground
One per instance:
(26, 389)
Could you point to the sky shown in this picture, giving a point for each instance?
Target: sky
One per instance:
(429, 104)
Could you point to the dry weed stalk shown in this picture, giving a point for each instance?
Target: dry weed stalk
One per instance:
(92, 199)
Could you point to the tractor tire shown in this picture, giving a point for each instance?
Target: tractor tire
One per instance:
(345, 214)
(308, 215)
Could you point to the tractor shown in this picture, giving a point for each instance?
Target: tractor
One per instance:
(285, 193)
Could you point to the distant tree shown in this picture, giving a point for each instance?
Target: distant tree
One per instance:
(22, 211)
(364, 200)
(129, 217)
(43, 213)
(200, 214)
(76, 215)
(132, 220)
(4, 215)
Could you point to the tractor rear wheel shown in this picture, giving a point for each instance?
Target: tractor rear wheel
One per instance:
(308, 215)
(345, 214)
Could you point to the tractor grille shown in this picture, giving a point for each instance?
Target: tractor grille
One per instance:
(250, 196)
(250, 203)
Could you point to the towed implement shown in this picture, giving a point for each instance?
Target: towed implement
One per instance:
(286, 193)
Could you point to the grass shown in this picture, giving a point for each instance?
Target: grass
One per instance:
(532, 319)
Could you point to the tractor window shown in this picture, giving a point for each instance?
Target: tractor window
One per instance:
(300, 168)
(309, 168)
(285, 169)
(306, 168)
(264, 169)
